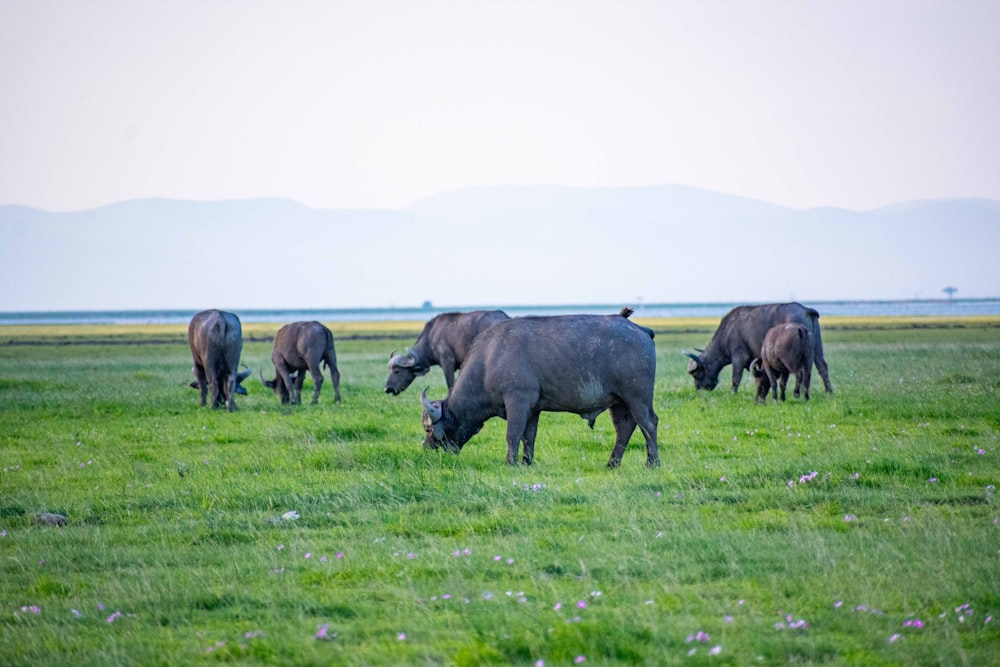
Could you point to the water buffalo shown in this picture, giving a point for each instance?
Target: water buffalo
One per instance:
(739, 338)
(216, 341)
(445, 341)
(298, 347)
(519, 368)
(787, 349)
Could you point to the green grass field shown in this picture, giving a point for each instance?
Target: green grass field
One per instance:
(860, 528)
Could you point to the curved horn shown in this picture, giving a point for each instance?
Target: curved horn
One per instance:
(755, 365)
(694, 363)
(699, 350)
(413, 355)
(433, 411)
(402, 361)
(392, 354)
(240, 377)
(267, 383)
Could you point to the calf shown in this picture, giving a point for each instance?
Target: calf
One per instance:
(787, 349)
(740, 335)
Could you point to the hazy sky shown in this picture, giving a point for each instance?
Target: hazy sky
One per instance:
(342, 104)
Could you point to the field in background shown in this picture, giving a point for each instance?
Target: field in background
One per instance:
(410, 329)
(858, 528)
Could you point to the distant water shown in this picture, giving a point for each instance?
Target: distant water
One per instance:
(957, 307)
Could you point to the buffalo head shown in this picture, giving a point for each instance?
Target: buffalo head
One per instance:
(403, 369)
(278, 386)
(703, 379)
(438, 425)
(240, 377)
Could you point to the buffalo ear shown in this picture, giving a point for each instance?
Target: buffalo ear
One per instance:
(401, 361)
(434, 408)
(694, 363)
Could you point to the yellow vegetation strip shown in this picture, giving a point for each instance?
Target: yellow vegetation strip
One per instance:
(137, 334)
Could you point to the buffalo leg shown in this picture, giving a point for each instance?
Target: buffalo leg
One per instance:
(229, 392)
(738, 366)
(317, 377)
(625, 424)
(772, 379)
(530, 431)
(820, 360)
(448, 368)
(199, 373)
(335, 378)
(286, 377)
(519, 414)
(648, 423)
(215, 387)
(763, 389)
(784, 382)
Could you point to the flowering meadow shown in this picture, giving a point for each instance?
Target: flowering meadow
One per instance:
(858, 528)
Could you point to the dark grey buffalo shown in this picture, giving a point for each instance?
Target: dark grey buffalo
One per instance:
(788, 349)
(216, 341)
(517, 369)
(298, 347)
(445, 341)
(740, 336)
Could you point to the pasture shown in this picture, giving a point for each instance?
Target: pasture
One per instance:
(860, 528)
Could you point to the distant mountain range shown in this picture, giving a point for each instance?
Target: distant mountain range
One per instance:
(493, 245)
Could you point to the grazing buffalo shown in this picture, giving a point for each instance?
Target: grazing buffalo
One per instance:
(298, 347)
(519, 368)
(787, 349)
(240, 389)
(216, 341)
(445, 341)
(740, 336)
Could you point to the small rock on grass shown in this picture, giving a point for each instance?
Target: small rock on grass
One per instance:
(50, 519)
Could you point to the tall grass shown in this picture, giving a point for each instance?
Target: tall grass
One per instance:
(857, 528)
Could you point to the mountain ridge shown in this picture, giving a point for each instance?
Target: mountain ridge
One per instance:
(495, 244)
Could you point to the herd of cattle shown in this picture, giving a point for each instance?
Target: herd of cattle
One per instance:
(517, 368)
